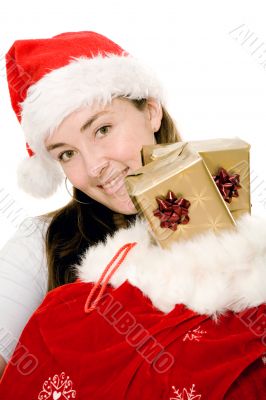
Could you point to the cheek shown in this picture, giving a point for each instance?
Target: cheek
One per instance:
(128, 152)
(76, 175)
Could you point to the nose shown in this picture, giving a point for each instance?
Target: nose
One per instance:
(98, 169)
(94, 160)
(95, 164)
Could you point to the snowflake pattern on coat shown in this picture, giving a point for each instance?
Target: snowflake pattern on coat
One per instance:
(59, 387)
(185, 394)
(194, 335)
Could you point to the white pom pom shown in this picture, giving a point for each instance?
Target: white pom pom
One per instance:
(39, 177)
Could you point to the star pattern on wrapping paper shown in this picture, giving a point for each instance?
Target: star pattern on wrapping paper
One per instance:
(185, 394)
(198, 196)
(201, 197)
(215, 223)
(59, 387)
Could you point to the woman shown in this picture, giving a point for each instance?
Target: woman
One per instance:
(23, 278)
(136, 320)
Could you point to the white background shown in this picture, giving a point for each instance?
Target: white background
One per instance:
(214, 73)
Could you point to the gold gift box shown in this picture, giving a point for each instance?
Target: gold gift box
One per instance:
(231, 154)
(184, 172)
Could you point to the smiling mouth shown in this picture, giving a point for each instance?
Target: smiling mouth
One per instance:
(115, 184)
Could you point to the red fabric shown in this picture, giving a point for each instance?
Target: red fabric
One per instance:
(100, 355)
(29, 60)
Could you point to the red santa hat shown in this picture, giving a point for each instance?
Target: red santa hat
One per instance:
(50, 78)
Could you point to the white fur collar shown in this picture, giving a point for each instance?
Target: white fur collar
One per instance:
(209, 273)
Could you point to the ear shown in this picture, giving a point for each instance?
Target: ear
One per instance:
(155, 113)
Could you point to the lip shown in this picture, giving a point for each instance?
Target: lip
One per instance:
(117, 183)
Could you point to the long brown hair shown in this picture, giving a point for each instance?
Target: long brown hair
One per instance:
(76, 226)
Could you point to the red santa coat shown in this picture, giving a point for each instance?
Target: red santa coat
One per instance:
(185, 323)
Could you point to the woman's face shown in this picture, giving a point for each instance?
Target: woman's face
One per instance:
(99, 145)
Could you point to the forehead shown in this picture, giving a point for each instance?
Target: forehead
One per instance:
(83, 118)
(115, 104)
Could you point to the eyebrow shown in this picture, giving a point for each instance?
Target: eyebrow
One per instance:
(92, 119)
(54, 146)
(85, 126)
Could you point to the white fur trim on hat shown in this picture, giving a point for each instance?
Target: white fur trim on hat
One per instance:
(82, 81)
(66, 89)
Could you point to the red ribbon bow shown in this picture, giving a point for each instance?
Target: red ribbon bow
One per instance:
(172, 211)
(228, 185)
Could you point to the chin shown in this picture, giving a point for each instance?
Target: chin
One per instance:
(126, 209)
(129, 213)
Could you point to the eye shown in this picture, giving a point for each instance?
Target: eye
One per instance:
(66, 155)
(103, 130)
